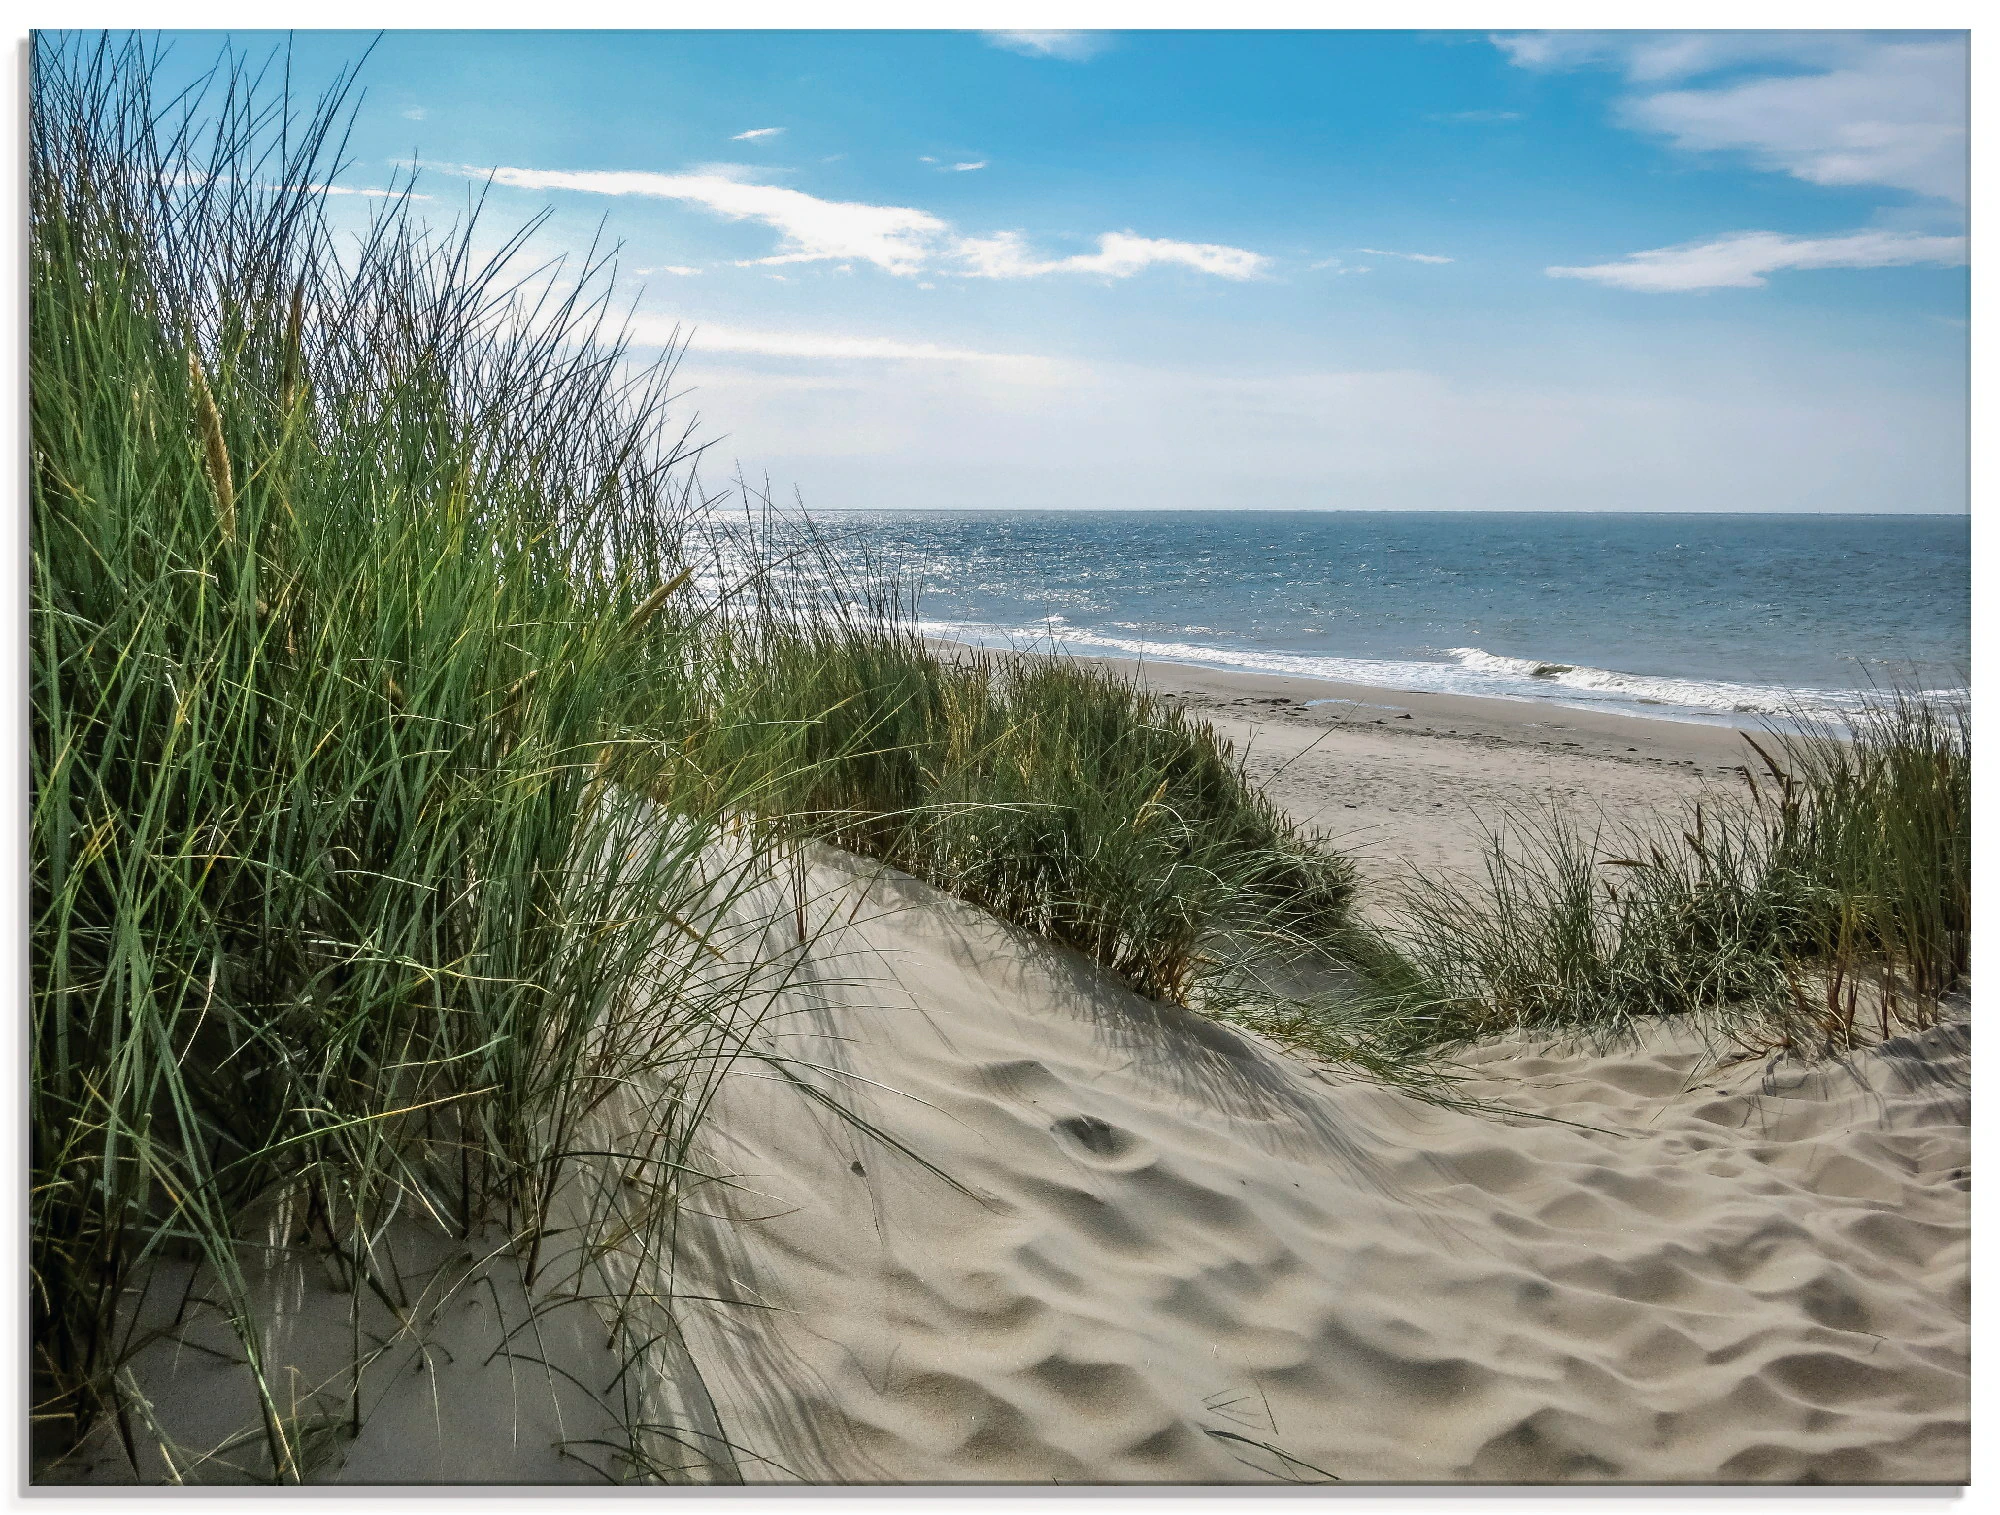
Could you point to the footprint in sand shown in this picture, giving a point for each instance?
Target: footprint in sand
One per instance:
(1093, 1140)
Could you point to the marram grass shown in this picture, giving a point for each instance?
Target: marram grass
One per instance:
(1051, 792)
(1824, 906)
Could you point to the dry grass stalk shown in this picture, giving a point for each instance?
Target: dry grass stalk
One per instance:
(215, 453)
(650, 606)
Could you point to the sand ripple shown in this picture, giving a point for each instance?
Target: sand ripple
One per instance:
(1179, 1256)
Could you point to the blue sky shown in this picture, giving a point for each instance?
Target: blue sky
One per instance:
(1370, 270)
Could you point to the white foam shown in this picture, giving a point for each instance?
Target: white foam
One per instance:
(1718, 695)
(1463, 670)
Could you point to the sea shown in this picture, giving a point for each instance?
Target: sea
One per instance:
(1731, 619)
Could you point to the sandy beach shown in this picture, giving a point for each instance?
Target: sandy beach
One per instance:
(1400, 778)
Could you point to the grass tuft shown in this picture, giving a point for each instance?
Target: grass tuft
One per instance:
(1053, 793)
(1827, 906)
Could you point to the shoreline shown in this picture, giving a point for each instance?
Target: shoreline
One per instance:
(1304, 700)
(1400, 779)
(1678, 699)
(1309, 699)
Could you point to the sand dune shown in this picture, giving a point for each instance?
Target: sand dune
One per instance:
(1158, 1251)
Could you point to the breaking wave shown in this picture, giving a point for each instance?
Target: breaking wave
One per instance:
(1458, 670)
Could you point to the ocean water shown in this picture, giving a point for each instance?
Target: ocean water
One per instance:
(1726, 618)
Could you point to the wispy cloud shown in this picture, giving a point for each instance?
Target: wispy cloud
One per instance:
(1472, 116)
(741, 173)
(899, 239)
(1827, 107)
(655, 330)
(1071, 47)
(1340, 266)
(966, 168)
(1897, 117)
(680, 269)
(1654, 57)
(415, 113)
(1119, 255)
(1742, 259)
(758, 134)
(350, 189)
(1383, 252)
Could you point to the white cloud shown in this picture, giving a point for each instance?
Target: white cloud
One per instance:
(1381, 252)
(757, 134)
(926, 158)
(349, 189)
(966, 168)
(741, 173)
(1474, 115)
(900, 239)
(1827, 107)
(1896, 118)
(1656, 57)
(662, 331)
(1742, 259)
(1071, 47)
(793, 344)
(1119, 255)
(681, 269)
(1341, 266)
(415, 113)
(897, 238)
